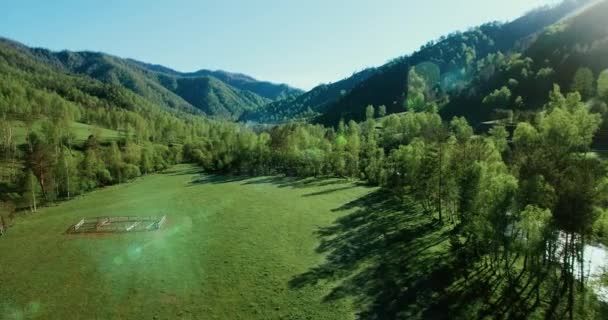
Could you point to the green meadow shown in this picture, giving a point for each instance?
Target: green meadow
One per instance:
(232, 249)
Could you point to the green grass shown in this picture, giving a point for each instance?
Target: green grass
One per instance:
(232, 249)
(81, 130)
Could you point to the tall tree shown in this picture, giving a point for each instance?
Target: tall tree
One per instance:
(584, 82)
(602, 85)
(115, 162)
(67, 172)
(41, 160)
(30, 188)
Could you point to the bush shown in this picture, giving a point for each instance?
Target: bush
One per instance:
(131, 171)
(104, 177)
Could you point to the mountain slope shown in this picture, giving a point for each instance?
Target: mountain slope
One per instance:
(552, 56)
(456, 57)
(216, 97)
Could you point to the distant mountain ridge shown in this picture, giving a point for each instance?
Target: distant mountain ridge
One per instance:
(266, 89)
(215, 93)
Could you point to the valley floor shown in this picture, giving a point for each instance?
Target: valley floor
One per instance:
(249, 248)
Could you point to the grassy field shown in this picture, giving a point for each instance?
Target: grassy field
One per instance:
(232, 249)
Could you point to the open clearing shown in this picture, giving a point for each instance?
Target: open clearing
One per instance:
(231, 249)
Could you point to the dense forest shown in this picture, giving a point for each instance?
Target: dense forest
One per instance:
(491, 132)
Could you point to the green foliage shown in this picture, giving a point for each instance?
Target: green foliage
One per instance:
(499, 98)
(31, 190)
(534, 222)
(568, 125)
(525, 136)
(584, 82)
(382, 111)
(499, 137)
(600, 228)
(602, 85)
(462, 130)
(430, 72)
(369, 112)
(417, 92)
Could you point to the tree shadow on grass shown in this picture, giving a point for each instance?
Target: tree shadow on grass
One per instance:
(332, 190)
(182, 172)
(394, 262)
(279, 181)
(216, 179)
(297, 182)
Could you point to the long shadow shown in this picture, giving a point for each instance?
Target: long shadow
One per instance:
(216, 179)
(297, 182)
(180, 172)
(280, 181)
(329, 191)
(393, 261)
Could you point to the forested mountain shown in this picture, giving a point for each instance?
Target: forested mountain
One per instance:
(447, 65)
(215, 93)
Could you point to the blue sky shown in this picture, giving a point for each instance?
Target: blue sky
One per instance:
(302, 43)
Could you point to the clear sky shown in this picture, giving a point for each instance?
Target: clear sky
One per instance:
(302, 43)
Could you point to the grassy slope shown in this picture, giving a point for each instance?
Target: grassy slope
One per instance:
(229, 251)
(81, 131)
